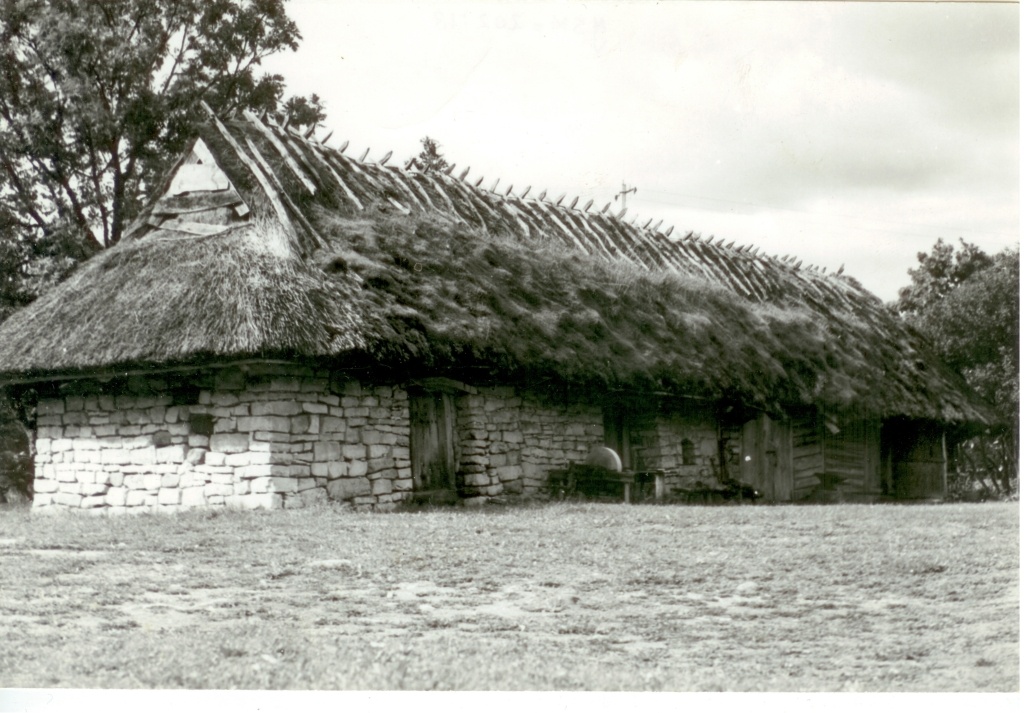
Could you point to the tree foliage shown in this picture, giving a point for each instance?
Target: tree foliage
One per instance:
(97, 97)
(430, 158)
(967, 303)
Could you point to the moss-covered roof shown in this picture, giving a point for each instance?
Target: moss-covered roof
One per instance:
(325, 256)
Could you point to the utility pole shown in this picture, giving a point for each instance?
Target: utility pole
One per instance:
(623, 193)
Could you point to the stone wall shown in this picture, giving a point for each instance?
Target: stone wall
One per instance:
(658, 444)
(285, 436)
(508, 442)
(264, 436)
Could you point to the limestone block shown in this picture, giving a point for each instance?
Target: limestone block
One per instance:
(353, 451)
(50, 407)
(357, 412)
(378, 464)
(303, 484)
(332, 424)
(117, 497)
(116, 456)
(171, 454)
(283, 485)
(169, 496)
(135, 498)
(313, 496)
(62, 444)
(45, 485)
(170, 480)
(223, 399)
(227, 443)
(477, 479)
(235, 460)
(225, 425)
(151, 481)
(302, 423)
(345, 488)
(509, 473)
(299, 471)
(261, 485)
(43, 446)
(339, 469)
(378, 451)
(402, 484)
(191, 479)
(371, 436)
(327, 451)
(143, 456)
(215, 500)
(319, 469)
(92, 488)
(93, 501)
(214, 458)
(315, 408)
(262, 470)
(71, 500)
(193, 497)
(272, 436)
(381, 486)
(284, 407)
(65, 472)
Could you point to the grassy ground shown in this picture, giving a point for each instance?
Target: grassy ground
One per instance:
(566, 596)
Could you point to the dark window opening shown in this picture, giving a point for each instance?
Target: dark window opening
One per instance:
(689, 454)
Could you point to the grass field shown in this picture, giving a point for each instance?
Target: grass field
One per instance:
(563, 596)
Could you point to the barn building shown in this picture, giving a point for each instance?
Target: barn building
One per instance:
(286, 324)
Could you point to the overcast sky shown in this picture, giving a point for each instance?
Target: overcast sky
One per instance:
(843, 133)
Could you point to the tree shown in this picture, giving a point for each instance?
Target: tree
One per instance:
(967, 303)
(940, 272)
(97, 96)
(430, 158)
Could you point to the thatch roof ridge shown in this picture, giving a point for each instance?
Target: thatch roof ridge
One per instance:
(315, 166)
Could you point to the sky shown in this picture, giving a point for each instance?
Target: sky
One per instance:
(844, 133)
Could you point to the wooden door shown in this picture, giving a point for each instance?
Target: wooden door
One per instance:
(767, 458)
(432, 440)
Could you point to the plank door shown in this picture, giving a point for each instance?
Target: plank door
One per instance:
(767, 458)
(432, 440)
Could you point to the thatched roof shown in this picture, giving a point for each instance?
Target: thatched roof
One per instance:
(288, 248)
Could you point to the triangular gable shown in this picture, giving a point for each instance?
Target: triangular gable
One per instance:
(198, 173)
(200, 198)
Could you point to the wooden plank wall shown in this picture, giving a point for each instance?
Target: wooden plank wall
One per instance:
(808, 455)
(854, 454)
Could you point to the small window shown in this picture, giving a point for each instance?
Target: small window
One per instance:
(689, 456)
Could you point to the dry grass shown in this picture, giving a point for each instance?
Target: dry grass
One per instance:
(567, 596)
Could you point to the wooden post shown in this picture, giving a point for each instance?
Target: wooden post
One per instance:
(659, 486)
